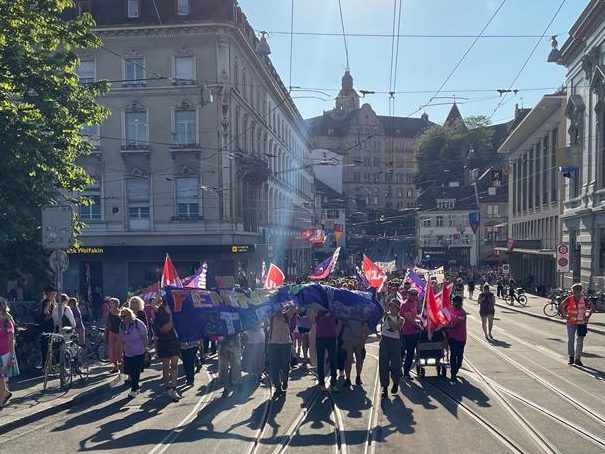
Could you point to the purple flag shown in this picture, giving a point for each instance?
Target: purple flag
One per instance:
(198, 280)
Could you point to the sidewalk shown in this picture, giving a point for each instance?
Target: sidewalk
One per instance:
(535, 306)
(30, 402)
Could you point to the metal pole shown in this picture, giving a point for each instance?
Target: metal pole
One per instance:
(59, 285)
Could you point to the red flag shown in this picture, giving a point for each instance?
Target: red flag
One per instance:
(373, 273)
(446, 301)
(435, 318)
(275, 277)
(169, 275)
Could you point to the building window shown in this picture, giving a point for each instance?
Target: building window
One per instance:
(332, 214)
(409, 178)
(439, 221)
(86, 71)
(134, 70)
(185, 127)
(187, 197)
(356, 177)
(399, 194)
(184, 69)
(136, 128)
(91, 212)
(133, 8)
(138, 203)
(375, 200)
(183, 7)
(492, 210)
(410, 193)
(91, 133)
(426, 222)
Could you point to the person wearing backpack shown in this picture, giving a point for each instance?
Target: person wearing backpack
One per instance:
(133, 343)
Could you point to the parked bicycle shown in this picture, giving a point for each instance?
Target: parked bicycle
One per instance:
(64, 358)
(95, 344)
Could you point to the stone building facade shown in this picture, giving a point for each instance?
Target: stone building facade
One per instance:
(202, 153)
(583, 226)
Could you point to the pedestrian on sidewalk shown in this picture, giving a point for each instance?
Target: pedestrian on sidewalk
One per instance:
(133, 343)
(456, 336)
(279, 347)
(112, 334)
(409, 312)
(487, 310)
(577, 309)
(45, 321)
(389, 354)
(167, 348)
(327, 329)
(8, 359)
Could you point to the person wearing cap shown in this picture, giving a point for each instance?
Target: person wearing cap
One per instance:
(456, 335)
(577, 310)
(389, 356)
(487, 310)
(409, 313)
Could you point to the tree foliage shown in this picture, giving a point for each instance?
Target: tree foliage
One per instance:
(445, 151)
(42, 111)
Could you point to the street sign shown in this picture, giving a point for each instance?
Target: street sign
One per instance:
(58, 261)
(563, 258)
(57, 227)
(474, 219)
(506, 269)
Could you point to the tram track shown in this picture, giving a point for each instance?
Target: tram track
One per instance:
(578, 405)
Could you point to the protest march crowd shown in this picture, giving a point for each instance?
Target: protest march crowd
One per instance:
(418, 315)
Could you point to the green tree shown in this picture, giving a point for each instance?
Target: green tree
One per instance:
(445, 151)
(42, 111)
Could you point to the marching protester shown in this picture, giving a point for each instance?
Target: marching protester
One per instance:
(409, 312)
(73, 305)
(133, 343)
(8, 360)
(112, 334)
(254, 352)
(354, 335)
(577, 310)
(230, 362)
(188, 352)
(327, 329)
(456, 336)
(471, 287)
(304, 326)
(487, 310)
(137, 305)
(278, 350)
(167, 348)
(389, 356)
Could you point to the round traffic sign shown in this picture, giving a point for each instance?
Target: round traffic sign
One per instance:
(563, 249)
(563, 262)
(58, 261)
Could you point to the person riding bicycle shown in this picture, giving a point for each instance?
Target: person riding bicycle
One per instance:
(512, 289)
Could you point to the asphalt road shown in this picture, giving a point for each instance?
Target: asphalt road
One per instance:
(515, 394)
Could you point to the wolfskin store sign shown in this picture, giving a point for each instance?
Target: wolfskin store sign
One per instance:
(85, 250)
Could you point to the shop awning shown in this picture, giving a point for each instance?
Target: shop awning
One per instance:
(545, 252)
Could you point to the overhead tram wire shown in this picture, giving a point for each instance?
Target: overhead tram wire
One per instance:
(291, 43)
(344, 35)
(529, 57)
(457, 65)
(406, 35)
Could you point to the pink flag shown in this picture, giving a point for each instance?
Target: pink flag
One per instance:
(169, 274)
(446, 300)
(275, 277)
(375, 276)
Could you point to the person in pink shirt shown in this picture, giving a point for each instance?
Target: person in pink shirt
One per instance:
(456, 335)
(409, 312)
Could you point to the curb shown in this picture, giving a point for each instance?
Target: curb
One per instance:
(54, 409)
(544, 317)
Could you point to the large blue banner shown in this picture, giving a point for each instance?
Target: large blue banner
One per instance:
(198, 313)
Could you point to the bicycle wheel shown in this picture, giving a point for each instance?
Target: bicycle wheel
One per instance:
(66, 371)
(551, 309)
(101, 351)
(522, 300)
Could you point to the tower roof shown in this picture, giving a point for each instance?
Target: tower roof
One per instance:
(454, 116)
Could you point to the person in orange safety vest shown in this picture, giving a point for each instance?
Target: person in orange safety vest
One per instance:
(576, 309)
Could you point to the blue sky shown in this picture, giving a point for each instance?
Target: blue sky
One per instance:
(423, 63)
